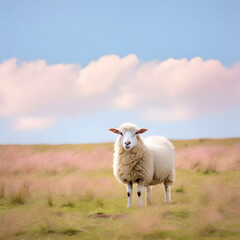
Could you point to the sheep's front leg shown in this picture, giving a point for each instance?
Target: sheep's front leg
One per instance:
(139, 193)
(129, 194)
(167, 193)
(148, 195)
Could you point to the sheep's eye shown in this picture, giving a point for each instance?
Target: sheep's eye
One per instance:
(121, 133)
(136, 133)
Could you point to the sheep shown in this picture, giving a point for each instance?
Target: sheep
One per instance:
(147, 162)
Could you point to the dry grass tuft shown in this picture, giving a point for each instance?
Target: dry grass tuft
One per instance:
(20, 195)
(180, 189)
(50, 199)
(2, 190)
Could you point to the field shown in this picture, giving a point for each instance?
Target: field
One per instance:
(69, 192)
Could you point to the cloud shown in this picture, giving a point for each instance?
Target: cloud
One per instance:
(36, 88)
(32, 123)
(100, 75)
(34, 94)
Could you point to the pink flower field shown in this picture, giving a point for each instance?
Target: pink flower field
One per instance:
(54, 189)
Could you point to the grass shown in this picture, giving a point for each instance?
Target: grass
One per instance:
(180, 189)
(50, 200)
(181, 220)
(58, 193)
(205, 141)
(2, 191)
(20, 195)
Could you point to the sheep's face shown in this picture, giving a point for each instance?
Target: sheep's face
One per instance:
(128, 138)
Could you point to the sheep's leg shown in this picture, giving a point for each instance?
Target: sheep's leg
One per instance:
(167, 192)
(129, 194)
(139, 193)
(148, 195)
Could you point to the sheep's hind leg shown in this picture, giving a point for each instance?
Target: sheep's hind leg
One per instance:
(129, 194)
(139, 193)
(148, 195)
(167, 187)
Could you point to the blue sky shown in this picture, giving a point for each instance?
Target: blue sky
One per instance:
(81, 31)
(78, 32)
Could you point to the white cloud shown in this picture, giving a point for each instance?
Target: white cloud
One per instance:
(31, 123)
(33, 94)
(177, 113)
(99, 75)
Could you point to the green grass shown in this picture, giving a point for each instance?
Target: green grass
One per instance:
(187, 218)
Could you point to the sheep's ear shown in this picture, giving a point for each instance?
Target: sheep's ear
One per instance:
(114, 130)
(142, 130)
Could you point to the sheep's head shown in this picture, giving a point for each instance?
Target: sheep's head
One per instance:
(128, 135)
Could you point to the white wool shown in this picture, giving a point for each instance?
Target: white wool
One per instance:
(162, 154)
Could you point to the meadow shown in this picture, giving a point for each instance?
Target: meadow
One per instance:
(69, 192)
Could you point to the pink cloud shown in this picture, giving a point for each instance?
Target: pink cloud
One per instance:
(32, 123)
(100, 75)
(34, 94)
(36, 89)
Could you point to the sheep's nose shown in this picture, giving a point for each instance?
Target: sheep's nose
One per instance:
(127, 143)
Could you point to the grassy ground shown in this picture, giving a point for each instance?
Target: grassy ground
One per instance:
(69, 192)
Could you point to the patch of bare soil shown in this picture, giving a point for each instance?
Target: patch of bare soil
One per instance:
(103, 215)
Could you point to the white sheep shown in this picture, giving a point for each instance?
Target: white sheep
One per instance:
(148, 161)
